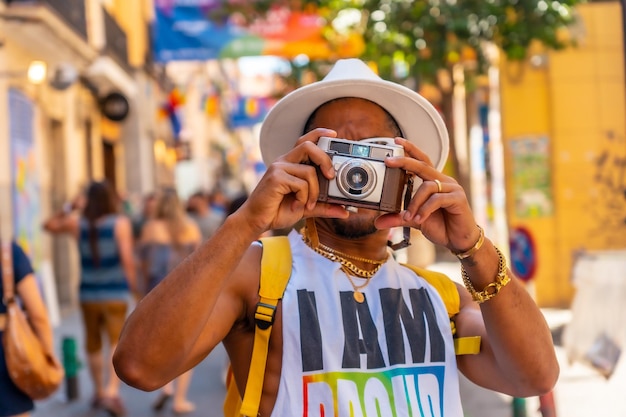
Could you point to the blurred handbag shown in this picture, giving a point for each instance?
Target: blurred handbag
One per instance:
(33, 370)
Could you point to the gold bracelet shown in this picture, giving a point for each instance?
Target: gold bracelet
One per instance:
(473, 249)
(492, 289)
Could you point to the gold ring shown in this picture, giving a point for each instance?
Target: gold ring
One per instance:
(439, 187)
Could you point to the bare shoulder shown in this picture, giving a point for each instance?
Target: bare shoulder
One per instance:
(123, 228)
(464, 296)
(122, 222)
(192, 231)
(156, 231)
(147, 231)
(469, 321)
(243, 288)
(240, 295)
(244, 283)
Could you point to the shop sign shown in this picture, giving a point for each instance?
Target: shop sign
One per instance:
(115, 106)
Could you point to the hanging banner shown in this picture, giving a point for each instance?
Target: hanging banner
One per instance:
(183, 32)
(248, 111)
(188, 30)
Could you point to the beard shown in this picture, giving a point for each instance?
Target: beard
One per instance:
(353, 228)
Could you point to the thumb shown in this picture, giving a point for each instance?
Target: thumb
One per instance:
(328, 210)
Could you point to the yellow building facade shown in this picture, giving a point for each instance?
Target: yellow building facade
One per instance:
(58, 133)
(564, 137)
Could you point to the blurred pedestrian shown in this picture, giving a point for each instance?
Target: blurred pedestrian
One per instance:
(108, 276)
(148, 210)
(219, 203)
(13, 401)
(207, 218)
(236, 202)
(166, 240)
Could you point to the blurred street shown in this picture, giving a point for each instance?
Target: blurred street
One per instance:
(580, 391)
(206, 390)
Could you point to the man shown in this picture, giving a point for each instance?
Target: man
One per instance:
(335, 344)
(206, 217)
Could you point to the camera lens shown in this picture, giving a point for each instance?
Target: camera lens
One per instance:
(356, 178)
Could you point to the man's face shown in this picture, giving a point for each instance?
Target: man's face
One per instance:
(150, 207)
(355, 119)
(194, 204)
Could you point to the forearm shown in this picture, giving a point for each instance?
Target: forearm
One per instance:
(159, 337)
(43, 330)
(62, 222)
(28, 291)
(518, 335)
(55, 222)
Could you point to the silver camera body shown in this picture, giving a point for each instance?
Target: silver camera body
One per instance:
(362, 178)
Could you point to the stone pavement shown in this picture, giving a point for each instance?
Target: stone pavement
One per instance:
(206, 390)
(580, 391)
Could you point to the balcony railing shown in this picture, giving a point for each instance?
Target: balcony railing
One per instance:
(116, 40)
(72, 12)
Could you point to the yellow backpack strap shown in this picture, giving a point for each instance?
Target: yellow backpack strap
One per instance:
(275, 273)
(446, 288)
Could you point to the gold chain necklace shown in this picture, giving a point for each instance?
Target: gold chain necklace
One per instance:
(346, 266)
(354, 258)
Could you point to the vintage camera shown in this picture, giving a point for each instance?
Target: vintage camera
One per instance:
(362, 179)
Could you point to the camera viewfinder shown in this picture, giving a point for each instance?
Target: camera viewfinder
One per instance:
(361, 150)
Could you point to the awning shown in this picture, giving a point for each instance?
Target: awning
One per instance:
(107, 76)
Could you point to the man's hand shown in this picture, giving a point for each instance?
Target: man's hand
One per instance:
(440, 210)
(289, 189)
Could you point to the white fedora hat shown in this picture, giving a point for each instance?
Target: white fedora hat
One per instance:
(419, 121)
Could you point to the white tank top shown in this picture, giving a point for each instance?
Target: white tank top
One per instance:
(391, 355)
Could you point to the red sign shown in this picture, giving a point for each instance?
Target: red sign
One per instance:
(523, 254)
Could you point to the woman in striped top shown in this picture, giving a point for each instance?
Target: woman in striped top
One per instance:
(108, 276)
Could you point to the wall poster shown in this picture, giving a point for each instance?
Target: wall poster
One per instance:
(532, 182)
(24, 175)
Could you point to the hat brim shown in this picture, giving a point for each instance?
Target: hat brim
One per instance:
(418, 119)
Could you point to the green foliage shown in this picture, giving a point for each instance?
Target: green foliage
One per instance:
(435, 34)
(428, 35)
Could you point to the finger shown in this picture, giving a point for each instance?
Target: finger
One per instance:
(439, 185)
(299, 183)
(427, 200)
(413, 151)
(315, 134)
(426, 191)
(309, 153)
(434, 203)
(420, 168)
(309, 175)
(294, 193)
(329, 210)
(306, 173)
(390, 220)
(414, 160)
